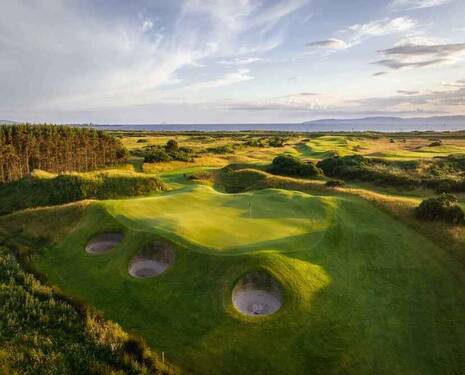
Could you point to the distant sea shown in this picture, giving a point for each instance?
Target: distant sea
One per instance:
(326, 126)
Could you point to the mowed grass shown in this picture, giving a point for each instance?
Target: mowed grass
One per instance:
(363, 293)
(277, 220)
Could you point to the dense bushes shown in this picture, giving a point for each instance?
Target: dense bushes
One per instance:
(44, 189)
(277, 142)
(442, 174)
(42, 333)
(356, 167)
(442, 208)
(255, 142)
(290, 166)
(226, 149)
(171, 151)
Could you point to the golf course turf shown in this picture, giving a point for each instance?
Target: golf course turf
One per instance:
(361, 292)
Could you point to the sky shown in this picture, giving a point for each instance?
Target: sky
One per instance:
(229, 61)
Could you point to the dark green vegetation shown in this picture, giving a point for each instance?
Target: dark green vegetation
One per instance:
(24, 148)
(41, 332)
(335, 183)
(170, 151)
(288, 165)
(443, 174)
(44, 189)
(443, 208)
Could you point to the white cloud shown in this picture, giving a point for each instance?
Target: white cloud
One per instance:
(241, 61)
(381, 27)
(412, 55)
(147, 25)
(417, 4)
(406, 102)
(241, 75)
(62, 56)
(358, 33)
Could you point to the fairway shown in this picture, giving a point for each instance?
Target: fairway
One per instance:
(277, 220)
(361, 292)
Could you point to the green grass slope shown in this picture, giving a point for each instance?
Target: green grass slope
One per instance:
(363, 293)
(43, 188)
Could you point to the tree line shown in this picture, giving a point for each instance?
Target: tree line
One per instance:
(55, 148)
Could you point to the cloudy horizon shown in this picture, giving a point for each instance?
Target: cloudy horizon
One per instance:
(230, 61)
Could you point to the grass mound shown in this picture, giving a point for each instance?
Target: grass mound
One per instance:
(257, 294)
(152, 261)
(44, 189)
(237, 178)
(362, 292)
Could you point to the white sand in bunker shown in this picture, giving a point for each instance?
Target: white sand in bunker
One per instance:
(257, 294)
(152, 261)
(103, 243)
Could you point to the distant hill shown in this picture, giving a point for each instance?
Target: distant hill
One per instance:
(392, 123)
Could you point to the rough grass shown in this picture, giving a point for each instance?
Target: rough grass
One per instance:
(363, 293)
(41, 333)
(408, 148)
(44, 189)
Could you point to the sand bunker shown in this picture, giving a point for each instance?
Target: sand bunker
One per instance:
(152, 261)
(103, 243)
(257, 294)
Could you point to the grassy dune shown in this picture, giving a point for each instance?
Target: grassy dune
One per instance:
(363, 293)
(44, 189)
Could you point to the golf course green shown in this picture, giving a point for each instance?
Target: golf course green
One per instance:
(210, 221)
(362, 293)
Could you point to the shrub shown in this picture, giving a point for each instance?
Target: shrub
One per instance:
(142, 140)
(156, 155)
(442, 208)
(226, 149)
(276, 142)
(255, 143)
(171, 151)
(436, 143)
(444, 187)
(378, 171)
(171, 146)
(288, 165)
(335, 183)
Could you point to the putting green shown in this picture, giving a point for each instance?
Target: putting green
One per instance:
(211, 221)
(362, 293)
